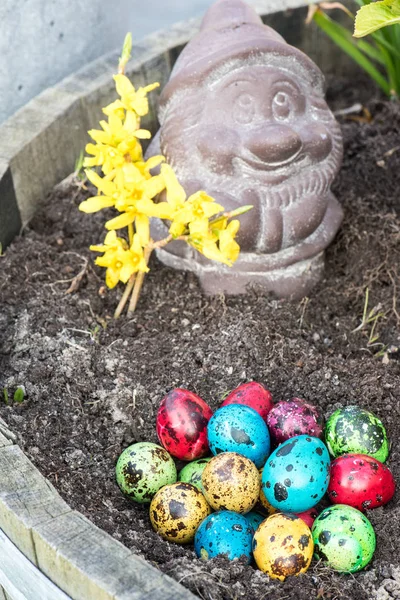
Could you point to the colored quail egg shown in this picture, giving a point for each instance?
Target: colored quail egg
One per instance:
(308, 516)
(255, 519)
(251, 394)
(355, 430)
(266, 506)
(296, 475)
(193, 472)
(224, 533)
(283, 546)
(294, 417)
(344, 538)
(360, 481)
(182, 424)
(231, 482)
(237, 428)
(142, 469)
(177, 510)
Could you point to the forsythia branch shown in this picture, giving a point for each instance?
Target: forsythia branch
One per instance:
(127, 185)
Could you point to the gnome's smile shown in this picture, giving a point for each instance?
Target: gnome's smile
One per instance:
(244, 118)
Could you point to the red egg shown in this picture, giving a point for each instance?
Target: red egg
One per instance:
(251, 394)
(360, 481)
(182, 421)
(308, 516)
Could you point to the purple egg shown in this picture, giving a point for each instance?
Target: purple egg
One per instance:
(289, 418)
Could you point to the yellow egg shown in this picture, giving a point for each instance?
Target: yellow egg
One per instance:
(177, 510)
(283, 546)
(269, 509)
(231, 482)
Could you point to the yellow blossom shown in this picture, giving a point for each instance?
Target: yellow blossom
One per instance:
(116, 141)
(227, 244)
(204, 241)
(198, 206)
(110, 189)
(136, 204)
(131, 100)
(215, 240)
(121, 262)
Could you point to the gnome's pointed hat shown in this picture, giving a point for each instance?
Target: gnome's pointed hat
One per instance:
(232, 30)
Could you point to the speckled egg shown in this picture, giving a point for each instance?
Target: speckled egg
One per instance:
(251, 394)
(267, 508)
(231, 482)
(177, 510)
(344, 538)
(182, 421)
(237, 428)
(193, 472)
(144, 468)
(283, 546)
(224, 533)
(355, 430)
(308, 516)
(255, 519)
(293, 417)
(360, 481)
(296, 475)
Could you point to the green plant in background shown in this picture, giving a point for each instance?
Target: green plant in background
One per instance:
(379, 57)
(19, 395)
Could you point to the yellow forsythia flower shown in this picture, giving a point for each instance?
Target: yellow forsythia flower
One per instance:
(197, 207)
(227, 244)
(131, 99)
(121, 262)
(118, 140)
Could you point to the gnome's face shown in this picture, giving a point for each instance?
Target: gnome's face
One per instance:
(256, 122)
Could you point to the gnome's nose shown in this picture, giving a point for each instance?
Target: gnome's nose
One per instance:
(274, 144)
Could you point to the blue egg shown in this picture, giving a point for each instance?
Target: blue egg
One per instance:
(255, 519)
(296, 475)
(224, 533)
(239, 428)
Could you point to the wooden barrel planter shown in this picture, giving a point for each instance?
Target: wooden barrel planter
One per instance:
(47, 550)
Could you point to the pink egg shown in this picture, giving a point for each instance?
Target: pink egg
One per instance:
(251, 394)
(290, 418)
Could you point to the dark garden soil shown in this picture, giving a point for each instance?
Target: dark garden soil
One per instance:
(93, 385)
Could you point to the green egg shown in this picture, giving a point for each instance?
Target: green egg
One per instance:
(142, 469)
(344, 538)
(355, 430)
(193, 471)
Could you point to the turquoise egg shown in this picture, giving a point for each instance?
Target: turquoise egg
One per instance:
(344, 538)
(224, 533)
(296, 475)
(192, 472)
(142, 469)
(357, 431)
(255, 519)
(238, 428)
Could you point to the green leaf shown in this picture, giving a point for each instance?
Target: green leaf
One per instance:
(126, 52)
(376, 15)
(19, 394)
(5, 395)
(79, 163)
(340, 35)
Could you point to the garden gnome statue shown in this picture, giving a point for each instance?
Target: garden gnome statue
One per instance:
(243, 117)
